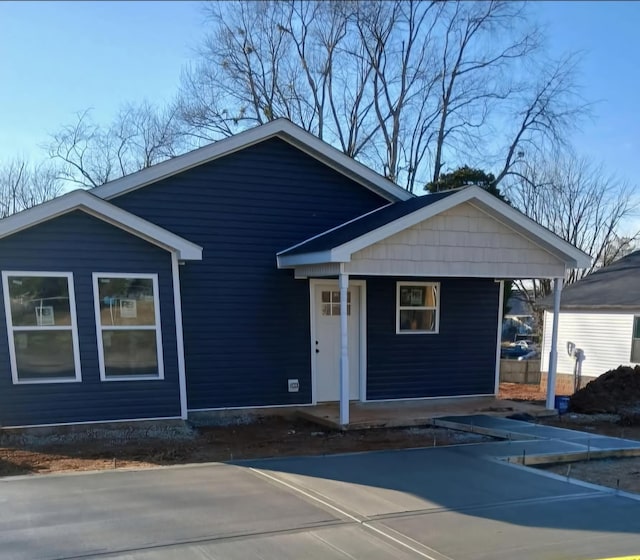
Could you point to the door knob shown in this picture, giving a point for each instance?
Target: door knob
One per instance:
(317, 351)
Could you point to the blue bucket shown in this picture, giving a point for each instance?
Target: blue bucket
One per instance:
(562, 404)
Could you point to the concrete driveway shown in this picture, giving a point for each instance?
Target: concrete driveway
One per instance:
(441, 503)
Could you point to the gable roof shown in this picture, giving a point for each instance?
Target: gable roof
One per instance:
(87, 202)
(279, 128)
(615, 286)
(338, 244)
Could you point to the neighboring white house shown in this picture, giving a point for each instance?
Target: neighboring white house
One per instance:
(600, 314)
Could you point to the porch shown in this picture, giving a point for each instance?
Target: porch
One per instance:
(425, 244)
(418, 412)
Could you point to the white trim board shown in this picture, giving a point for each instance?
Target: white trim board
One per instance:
(177, 308)
(73, 327)
(98, 208)
(280, 128)
(489, 204)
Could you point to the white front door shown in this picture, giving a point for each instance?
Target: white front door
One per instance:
(326, 343)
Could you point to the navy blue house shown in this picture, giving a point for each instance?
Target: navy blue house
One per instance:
(267, 269)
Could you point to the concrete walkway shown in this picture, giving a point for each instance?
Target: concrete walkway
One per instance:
(457, 502)
(546, 443)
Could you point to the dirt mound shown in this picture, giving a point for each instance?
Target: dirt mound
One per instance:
(615, 392)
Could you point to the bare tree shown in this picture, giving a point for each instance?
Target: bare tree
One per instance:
(411, 88)
(580, 203)
(139, 136)
(23, 185)
(543, 115)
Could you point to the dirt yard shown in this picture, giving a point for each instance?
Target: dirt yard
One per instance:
(268, 437)
(276, 436)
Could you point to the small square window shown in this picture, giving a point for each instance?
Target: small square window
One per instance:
(417, 309)
(331, 303)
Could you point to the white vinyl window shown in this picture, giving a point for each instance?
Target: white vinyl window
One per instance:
(128, 326)
(40, 312)
(635, 341)
(417, 307)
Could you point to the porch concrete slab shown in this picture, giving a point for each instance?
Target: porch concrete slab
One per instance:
(418, 412)
(70, 515)
(374, 484)
(596, 526)
(329, 543)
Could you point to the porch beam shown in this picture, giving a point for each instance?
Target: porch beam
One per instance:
(344, 348)
(553, 355)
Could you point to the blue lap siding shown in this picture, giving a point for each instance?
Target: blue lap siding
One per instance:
(459, 360)
(81, 244)
(246, 323)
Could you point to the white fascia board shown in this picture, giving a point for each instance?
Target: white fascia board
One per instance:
(525, 225)
(344, 164)
(281, 128)
(291, 261)
(87, 202)
(572, 256)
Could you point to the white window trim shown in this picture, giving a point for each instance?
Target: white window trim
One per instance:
(633, 338)
(399, 308)
(157, 327)
(11, 329)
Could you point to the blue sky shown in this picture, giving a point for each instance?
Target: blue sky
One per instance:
(59, 58)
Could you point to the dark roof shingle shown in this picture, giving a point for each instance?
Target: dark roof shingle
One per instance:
(364, 224)
(615, 286)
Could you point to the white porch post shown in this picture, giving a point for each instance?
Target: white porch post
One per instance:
(496, 388)
(344, 349)
(553, 355)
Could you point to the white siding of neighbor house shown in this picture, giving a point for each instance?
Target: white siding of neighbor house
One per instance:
(605, 338)
(463, 241)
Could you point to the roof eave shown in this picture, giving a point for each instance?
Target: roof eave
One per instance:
(101, 209)
(281, 128)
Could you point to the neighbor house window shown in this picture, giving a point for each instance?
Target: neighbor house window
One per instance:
(417, 307)
(128, 326)
(41, 324)
(635, 341)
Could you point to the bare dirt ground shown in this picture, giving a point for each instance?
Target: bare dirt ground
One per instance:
(277, 436)
(615, 473)
(267, 437)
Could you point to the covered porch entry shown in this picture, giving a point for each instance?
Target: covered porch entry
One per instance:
(422, 245)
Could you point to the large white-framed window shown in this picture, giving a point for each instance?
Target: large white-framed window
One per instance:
(417, 307)
(127, 308)
(40, 311)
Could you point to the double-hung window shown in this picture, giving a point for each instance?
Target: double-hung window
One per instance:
(41, 324)
(417, 307)
(128, 326)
